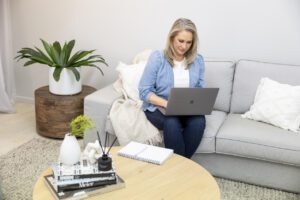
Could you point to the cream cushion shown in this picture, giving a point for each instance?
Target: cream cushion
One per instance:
(130, 76)
(277, 104)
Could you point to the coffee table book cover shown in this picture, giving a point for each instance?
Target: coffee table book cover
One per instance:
(79, 170)
(81, 193)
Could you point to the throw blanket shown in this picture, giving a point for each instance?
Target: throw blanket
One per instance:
(130, 122)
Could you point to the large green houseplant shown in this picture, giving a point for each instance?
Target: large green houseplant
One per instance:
(60, 60)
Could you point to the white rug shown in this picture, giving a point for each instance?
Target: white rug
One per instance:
(20, 168)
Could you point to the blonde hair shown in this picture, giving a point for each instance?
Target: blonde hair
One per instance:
(182, 24)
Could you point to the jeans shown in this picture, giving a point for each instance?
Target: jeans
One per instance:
(183, 134)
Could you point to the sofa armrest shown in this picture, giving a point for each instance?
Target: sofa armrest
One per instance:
(97, 106)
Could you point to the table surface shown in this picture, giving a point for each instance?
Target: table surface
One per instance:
(45, 92)
(177, 178)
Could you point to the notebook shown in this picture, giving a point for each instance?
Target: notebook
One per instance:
(147, 153)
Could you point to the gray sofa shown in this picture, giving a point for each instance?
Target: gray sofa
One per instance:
(232, 147)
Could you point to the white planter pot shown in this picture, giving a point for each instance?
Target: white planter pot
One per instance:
(67, 84)
(69, 150)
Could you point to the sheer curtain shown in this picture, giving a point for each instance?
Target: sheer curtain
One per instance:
(7, 86)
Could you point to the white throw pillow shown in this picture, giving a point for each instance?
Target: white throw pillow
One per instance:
(276, 104)
(130, 76)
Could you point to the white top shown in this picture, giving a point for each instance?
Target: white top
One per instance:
(181, 75)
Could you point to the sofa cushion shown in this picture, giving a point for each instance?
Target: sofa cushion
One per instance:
(220, 74)
(130, 76)
(257, 140)
(213, 124)
(247, 78)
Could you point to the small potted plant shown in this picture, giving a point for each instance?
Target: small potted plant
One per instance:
(64, 68)
(70, 148)
(79, 125)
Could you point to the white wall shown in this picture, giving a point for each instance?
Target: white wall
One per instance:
(267, 30)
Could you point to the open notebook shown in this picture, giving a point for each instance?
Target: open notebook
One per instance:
(144, 152)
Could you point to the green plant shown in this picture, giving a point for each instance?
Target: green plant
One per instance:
(60, 58)
(80, 124)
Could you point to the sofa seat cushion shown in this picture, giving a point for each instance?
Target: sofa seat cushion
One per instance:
(213, 124)
(257, 140)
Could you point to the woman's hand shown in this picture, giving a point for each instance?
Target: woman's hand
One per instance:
(158, 101)
(165, 104)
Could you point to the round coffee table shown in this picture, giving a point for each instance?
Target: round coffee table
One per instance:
(177, 178)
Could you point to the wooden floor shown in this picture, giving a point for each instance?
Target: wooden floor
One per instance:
(17, 128)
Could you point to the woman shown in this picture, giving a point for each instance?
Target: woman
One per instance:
(178, 65)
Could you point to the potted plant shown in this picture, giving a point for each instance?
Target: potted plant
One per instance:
(70, 148)
(64, 68)
(80, 124)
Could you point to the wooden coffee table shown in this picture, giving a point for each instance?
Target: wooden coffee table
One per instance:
(177, 178)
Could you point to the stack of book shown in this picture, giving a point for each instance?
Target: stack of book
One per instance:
(81, 180)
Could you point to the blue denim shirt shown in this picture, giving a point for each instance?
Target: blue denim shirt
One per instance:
(158, 78)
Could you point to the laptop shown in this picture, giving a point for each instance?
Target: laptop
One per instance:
(190, 101)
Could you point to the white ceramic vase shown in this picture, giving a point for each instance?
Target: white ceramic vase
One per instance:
(69, 150)
(67, 84)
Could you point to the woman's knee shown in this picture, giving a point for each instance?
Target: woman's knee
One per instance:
(156, 118)
(172, 121)
(202, 121)
(172, 127)
(197, 120)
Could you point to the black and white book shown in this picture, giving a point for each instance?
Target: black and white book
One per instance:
(145, 152)
(81, 193)
(64, 185)
(60, 175)
(79, 170)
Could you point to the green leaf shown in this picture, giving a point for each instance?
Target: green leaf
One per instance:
(63, 54)
(34, 55)
(57, 47)
(93, 65)
(19, 57)
(80, 63)
(101, 59)
(29, 51)
(29, 63)
(69, 49)
(48, 47)
(44, 55)
(57, 72)
(40, 60)
(55, 56)
(76, 73)
(77, 56)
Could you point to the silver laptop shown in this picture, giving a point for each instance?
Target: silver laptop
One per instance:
(190, 101)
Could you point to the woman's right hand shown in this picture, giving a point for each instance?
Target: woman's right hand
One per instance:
(158, 101)
(165, 104)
